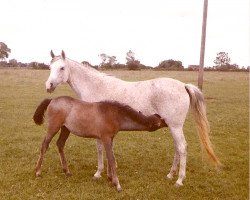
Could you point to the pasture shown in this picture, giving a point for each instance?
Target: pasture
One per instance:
(143, 162)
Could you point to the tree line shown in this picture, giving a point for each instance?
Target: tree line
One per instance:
(222, 63)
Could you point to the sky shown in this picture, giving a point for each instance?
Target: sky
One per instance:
(155, 30)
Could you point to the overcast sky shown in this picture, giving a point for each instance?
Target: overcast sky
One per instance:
(155, 30)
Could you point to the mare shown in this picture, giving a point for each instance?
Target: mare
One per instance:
(167, 97)
(101, 120)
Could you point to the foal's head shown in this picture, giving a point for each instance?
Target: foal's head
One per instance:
(59, 72)
(156, 122)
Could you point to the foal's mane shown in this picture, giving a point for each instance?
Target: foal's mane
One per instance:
(125, 110)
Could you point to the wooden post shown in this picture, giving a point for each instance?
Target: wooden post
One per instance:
(203, 41)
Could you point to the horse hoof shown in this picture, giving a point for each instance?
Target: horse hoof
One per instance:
(38, 174)
(68, 174)
(97, 175)
(119, 189)
(169, 176)
(95, 178)
(178, 185)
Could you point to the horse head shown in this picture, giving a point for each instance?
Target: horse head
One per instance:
(156, 122)
(59, 72)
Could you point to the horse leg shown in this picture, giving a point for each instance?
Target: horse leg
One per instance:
(174, 165)
(99, 147)
(111, 160)
(60, 144)
(180, 155)
(45, 145)
(109, 171)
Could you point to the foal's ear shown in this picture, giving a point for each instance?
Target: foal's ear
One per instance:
(63, 55)
(52, 54)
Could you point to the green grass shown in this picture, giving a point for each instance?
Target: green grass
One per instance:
(143, 158)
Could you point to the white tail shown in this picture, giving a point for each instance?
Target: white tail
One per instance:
(200, 116)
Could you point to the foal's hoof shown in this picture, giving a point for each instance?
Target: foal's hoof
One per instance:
(38, 174)
(68, 174)
(118, 189)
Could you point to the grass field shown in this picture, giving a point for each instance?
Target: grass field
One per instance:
(144, 159)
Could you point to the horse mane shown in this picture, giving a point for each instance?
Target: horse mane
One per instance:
(55, 59)
(126, 110)
(84, 65)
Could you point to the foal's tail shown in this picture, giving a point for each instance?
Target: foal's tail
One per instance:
(38, 116)
(199, 113)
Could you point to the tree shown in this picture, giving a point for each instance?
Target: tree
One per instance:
(13, 63)
(37, 65)
(222, 59)
(222, 62)
(107, 61)
(103, 57)
(170, 65)
(132, 63)
(4, 51)
(112, 60)
(130, 56)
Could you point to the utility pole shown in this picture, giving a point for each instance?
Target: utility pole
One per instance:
(203, 41)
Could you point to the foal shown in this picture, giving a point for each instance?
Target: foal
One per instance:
(101, 120)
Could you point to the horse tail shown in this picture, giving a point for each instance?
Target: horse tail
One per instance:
(38, 116)
(199, 112)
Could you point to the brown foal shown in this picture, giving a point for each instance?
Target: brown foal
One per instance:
(101, 120)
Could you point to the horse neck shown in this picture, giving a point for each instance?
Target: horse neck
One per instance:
(88, 83)
(131, 120)
(128, 124)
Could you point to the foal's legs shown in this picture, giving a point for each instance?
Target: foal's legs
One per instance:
(45, 144)
(107, 142)
(109, 168)
(99, 147)
(60, 144)
(180, 155)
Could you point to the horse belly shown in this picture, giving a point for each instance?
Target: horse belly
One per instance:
(172, 103)
(82, 128)
(166, 97)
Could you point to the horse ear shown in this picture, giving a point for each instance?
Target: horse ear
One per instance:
(63, 55)
(52, 54)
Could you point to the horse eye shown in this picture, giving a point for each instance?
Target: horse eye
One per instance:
(62, 68)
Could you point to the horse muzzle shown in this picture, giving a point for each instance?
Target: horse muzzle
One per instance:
(50, 87)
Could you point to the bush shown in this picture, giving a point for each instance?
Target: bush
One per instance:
(133, 65)
(170, 65)
(36, 65)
